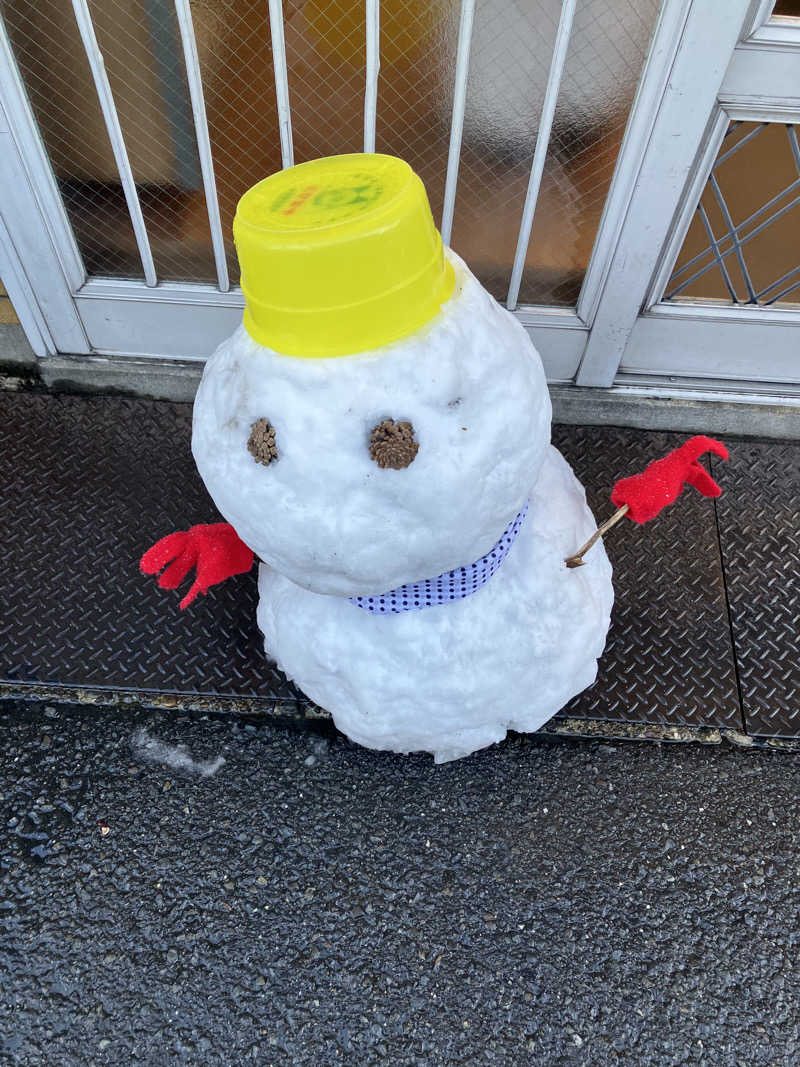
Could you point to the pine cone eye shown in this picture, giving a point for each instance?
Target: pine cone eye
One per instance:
(392, 444)
(261, 443)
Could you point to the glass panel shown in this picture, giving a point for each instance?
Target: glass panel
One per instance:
(7, 313)
(235, 52)
(509, 61)
(790, 8)
(743, 245)
(509, 64)
(325, 53)
(142, 52)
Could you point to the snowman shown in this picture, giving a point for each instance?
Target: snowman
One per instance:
(377, 433)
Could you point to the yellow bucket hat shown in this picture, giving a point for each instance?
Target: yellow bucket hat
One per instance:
(339, 255)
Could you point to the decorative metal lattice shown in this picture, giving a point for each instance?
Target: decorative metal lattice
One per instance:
(743, 245)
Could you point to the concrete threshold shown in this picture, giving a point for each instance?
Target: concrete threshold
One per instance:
(656, 406)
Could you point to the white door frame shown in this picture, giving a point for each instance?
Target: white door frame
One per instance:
(635, 334)
(39, 259)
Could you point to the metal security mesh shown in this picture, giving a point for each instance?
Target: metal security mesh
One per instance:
(143, 60)
(743, 245)
(509, 63)
(322, 65)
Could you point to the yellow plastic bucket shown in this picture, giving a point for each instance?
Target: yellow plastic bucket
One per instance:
(339, 255)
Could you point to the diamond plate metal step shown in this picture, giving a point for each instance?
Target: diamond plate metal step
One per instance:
(669, 658)
(88, 483)
(759, 518)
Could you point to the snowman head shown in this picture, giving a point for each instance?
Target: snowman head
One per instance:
(354, 474)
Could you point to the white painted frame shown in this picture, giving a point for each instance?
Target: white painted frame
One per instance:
(668, 161)
(39, 260)
(693, 339)
(643, 335)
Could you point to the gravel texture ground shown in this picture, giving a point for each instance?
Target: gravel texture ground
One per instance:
(309, 902)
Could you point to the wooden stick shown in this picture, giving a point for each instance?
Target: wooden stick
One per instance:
(577, 560)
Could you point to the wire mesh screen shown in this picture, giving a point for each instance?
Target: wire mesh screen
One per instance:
(147, 78)
(743, 245)
(510, 57)
(325, 59)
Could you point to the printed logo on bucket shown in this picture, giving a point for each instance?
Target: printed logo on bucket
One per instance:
(317, 204)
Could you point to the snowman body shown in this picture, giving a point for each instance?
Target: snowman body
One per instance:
(332, 526)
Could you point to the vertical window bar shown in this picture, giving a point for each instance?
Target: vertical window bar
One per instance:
(101, 84)
(373, 19)
(540, 152)
(281, 81)
(193, 77)
(457, 121)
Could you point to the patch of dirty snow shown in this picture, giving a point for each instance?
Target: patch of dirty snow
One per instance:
(151, 750)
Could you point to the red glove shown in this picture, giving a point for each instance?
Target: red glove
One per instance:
(216, 550)
(662, 482)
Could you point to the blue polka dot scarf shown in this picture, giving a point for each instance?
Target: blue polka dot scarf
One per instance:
(452, 585)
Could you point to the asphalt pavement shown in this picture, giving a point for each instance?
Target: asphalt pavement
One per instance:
(310, 902)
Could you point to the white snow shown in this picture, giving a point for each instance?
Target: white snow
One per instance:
(324, 514)
(453, 678)
(447, 679)
(151, 750)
